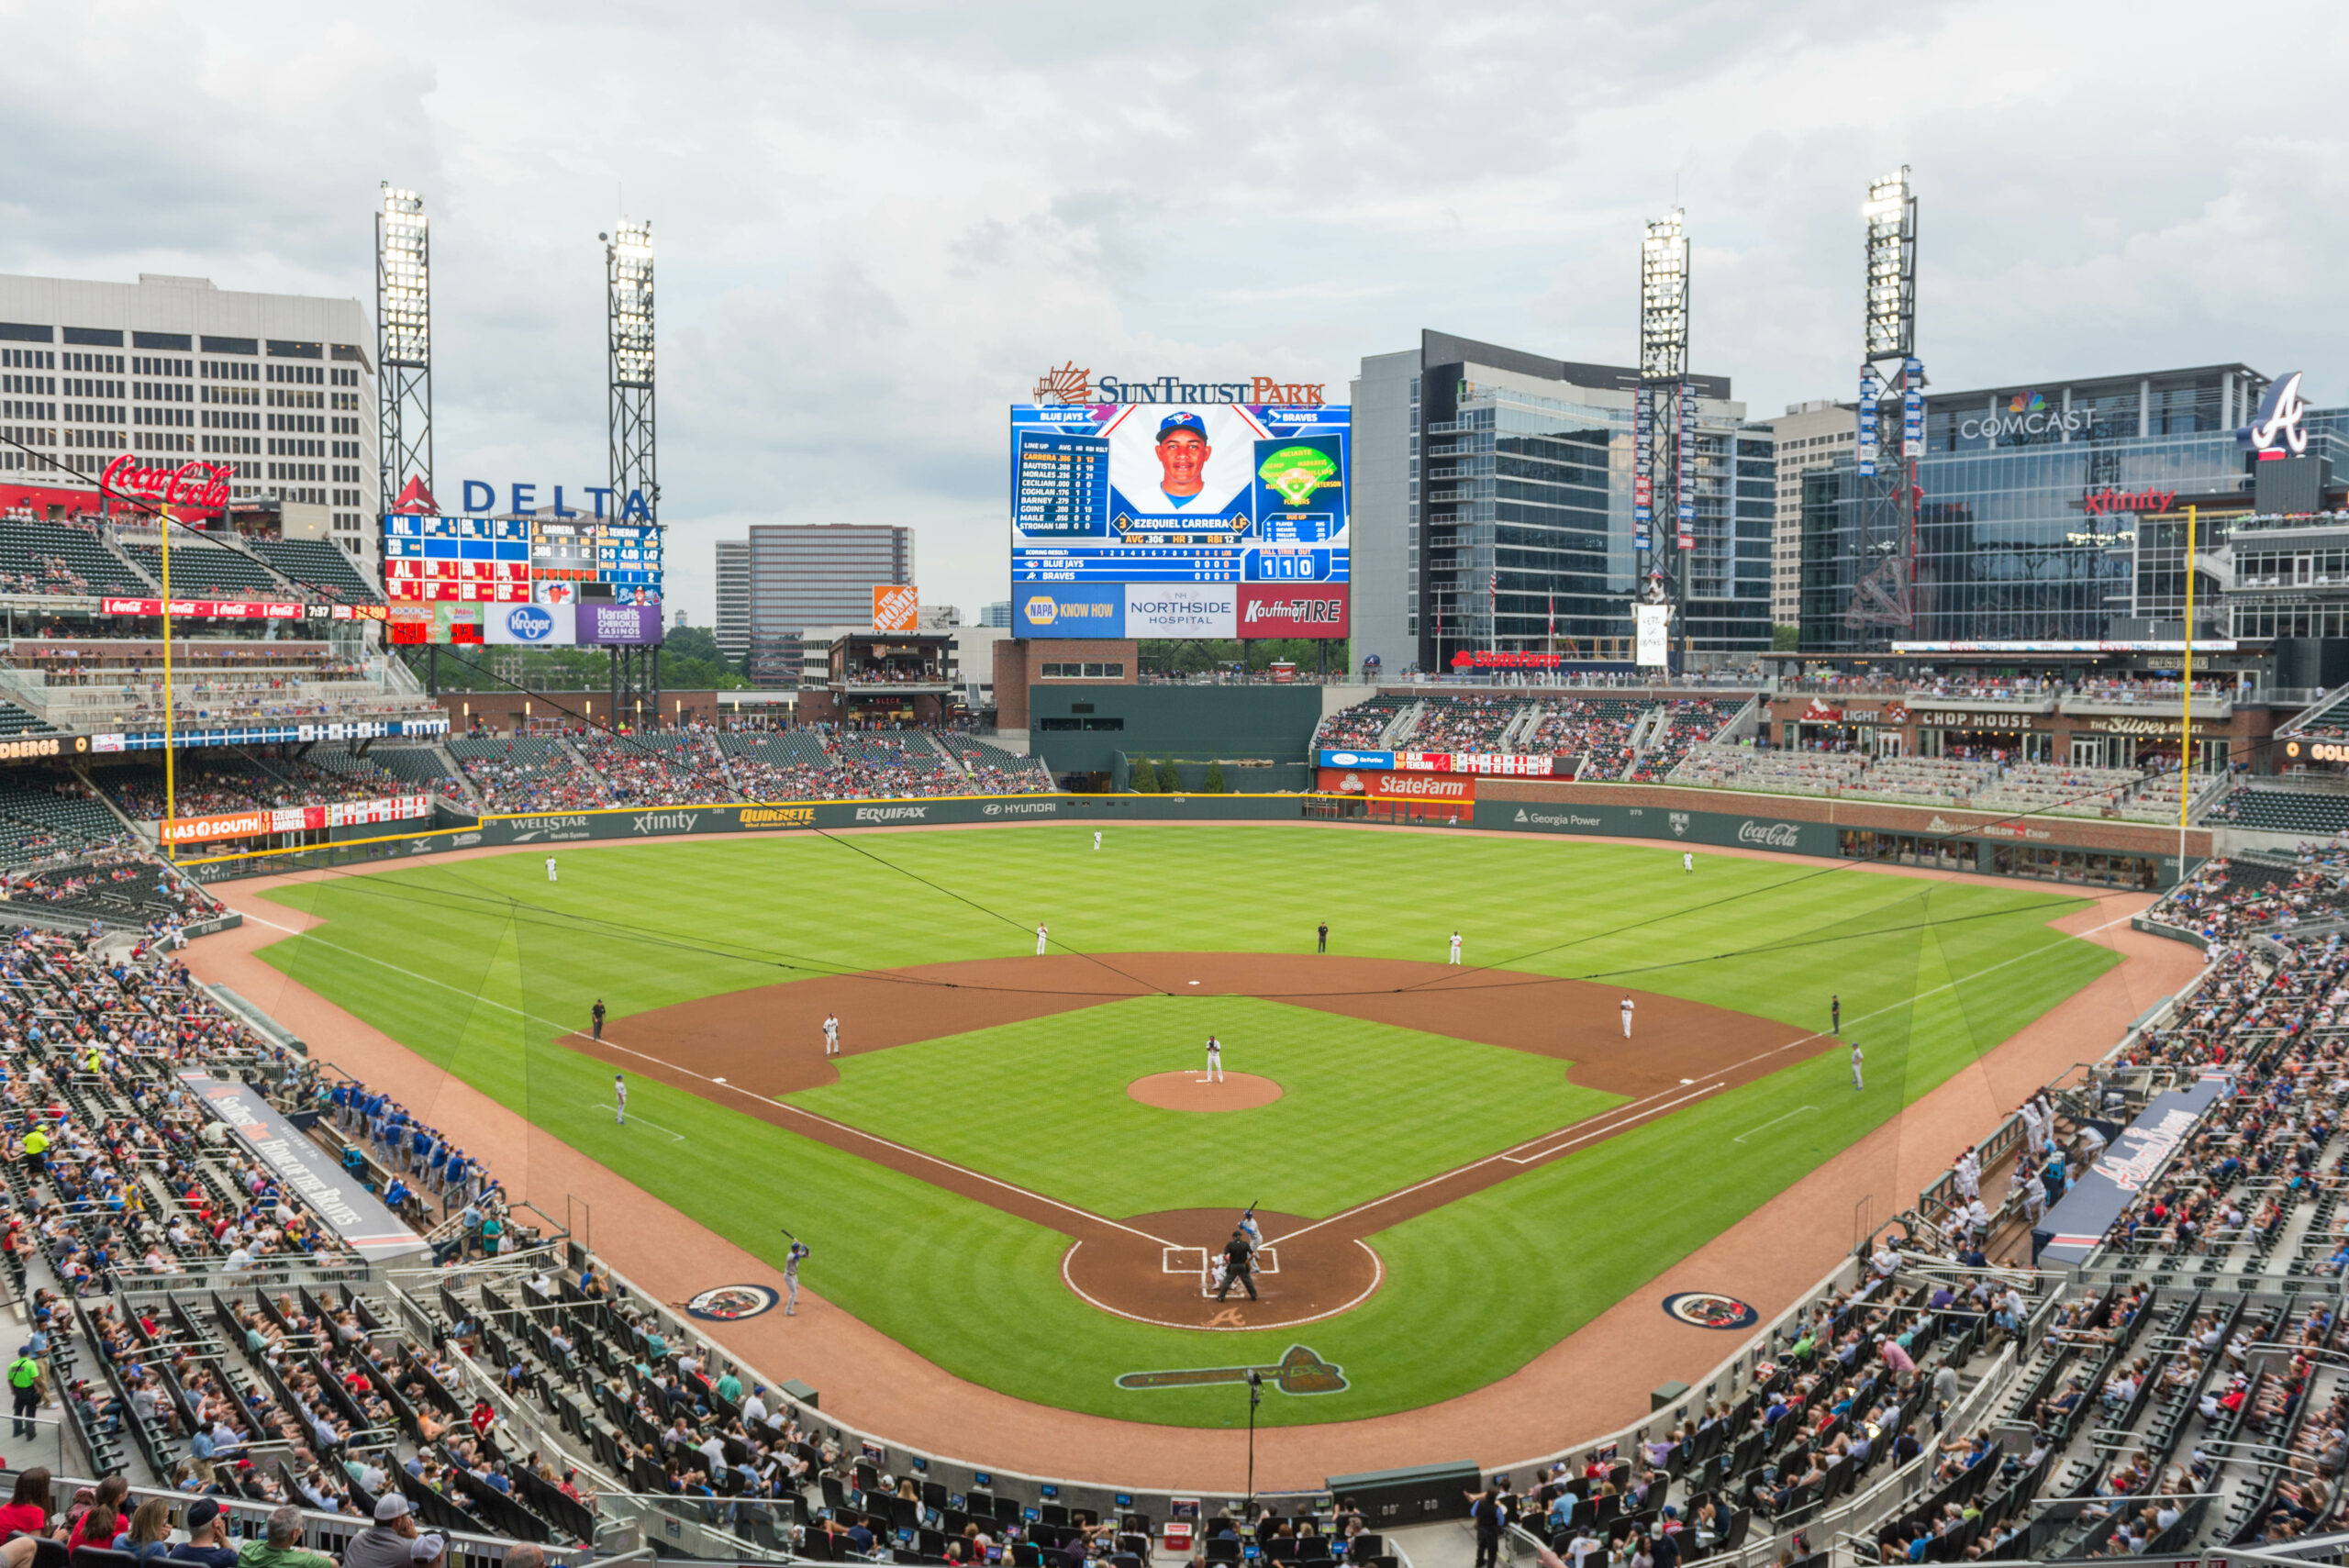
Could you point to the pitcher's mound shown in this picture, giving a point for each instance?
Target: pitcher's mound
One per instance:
(1191, 1092)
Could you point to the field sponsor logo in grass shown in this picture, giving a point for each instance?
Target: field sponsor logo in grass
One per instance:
(1299, 1371)
(1704, 1309)
(732, 1303)
(891, 813)
(663, 821)
(1771, 834)
(778, 816)
(1023, 808)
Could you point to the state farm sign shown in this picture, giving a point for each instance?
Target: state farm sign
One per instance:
(1397, 786)
(1268, 609)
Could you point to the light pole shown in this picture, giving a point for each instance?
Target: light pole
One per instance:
(1255, 1397)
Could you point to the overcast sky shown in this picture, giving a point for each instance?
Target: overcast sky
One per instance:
(877, 224)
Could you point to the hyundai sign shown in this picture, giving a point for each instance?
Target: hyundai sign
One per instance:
(528, 625)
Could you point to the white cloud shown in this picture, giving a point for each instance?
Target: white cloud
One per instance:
(878, 224)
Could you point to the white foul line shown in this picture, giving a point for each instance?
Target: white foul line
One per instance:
(600, 1105)
(732, 1088)
(1524, 1154)
(1772, 1122)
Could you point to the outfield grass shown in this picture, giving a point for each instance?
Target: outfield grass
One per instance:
(479, 965)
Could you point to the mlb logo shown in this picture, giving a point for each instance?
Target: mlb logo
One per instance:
(1679, 824)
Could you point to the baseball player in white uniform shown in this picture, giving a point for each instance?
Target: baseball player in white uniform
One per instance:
(1042, 931)
(832, 1034)
(1627, 1018)
(1857, 1082)
(1455, 947)
(1215, 1060)
(1097, 837)
(550, 868)
(619, 1100)
(1688, 860)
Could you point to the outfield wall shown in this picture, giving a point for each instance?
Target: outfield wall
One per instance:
(2060, 850)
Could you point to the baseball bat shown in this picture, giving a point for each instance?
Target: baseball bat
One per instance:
(789, 1231)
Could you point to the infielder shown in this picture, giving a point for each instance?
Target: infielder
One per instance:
(619, 1100)
(832, 1034)
(1215, 1060)
(1042, 931)
(550, 868)
(1627, 1016)
(791, 1278)
(1455, 947)
(1858, 1083)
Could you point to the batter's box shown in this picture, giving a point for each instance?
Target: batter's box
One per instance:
(1268, 1261)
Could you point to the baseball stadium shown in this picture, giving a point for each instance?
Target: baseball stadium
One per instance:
(1154, 1079)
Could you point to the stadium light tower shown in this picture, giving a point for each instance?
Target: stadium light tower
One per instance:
(1663, 414)
(1891, 435)
(628, 278)
(403, 344)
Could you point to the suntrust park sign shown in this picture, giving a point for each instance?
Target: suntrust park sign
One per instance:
(1068, 384)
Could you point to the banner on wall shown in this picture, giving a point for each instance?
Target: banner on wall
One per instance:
(1652, 634)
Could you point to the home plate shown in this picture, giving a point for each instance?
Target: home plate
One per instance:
(1190, 982)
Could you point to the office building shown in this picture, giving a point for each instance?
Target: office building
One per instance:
(996, 613)
(1807, 436)
(280, 388)
(2057, 512)
(816, 574)
(732, 626)
(1492, 508)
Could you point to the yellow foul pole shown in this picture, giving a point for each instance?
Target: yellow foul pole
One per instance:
(2185, 706)
(171, 769)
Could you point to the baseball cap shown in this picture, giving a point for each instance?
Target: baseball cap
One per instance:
(390, 1506)
(1191, 422)
(202, 1512)
(425, 1547)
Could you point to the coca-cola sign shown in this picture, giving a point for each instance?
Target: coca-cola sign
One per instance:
(1769, 835)
(189, 485)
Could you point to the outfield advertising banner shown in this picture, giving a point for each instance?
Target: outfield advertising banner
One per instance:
(1070, 610)
(528, 625)
(1270, 611)
(1182, 609)
(1357, 759)
(1709, 828)
(1397, 786)
(629, 625)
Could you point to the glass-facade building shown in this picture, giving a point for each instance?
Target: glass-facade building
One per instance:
(1514, 498)
(2049, 513)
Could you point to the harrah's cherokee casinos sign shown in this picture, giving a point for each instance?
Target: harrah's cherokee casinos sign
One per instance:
(189, 485)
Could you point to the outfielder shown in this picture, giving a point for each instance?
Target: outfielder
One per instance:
(1455, 947)
(1688, 860)
(1097, 837)
(1215, 1060)
(1627, 1016)
(791, 1278)
(1858, 1083)
(619, 1100)
(550, 868)
(832, 1034)
(1042, 931)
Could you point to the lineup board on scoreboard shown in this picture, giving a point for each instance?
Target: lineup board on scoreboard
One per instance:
(498, 560)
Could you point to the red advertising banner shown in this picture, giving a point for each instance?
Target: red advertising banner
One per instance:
(1274, 609)
(1397, 787)
(1473, 763)
(240, 609)
(294, 819)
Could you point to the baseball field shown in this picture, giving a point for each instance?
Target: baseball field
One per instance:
(1012, 1167)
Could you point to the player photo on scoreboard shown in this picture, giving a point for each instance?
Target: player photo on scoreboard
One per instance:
(1175, 469)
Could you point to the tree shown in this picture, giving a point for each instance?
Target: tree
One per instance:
(1785, 639)
(1142, 776)
(1169, 781)
(1213, 784)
